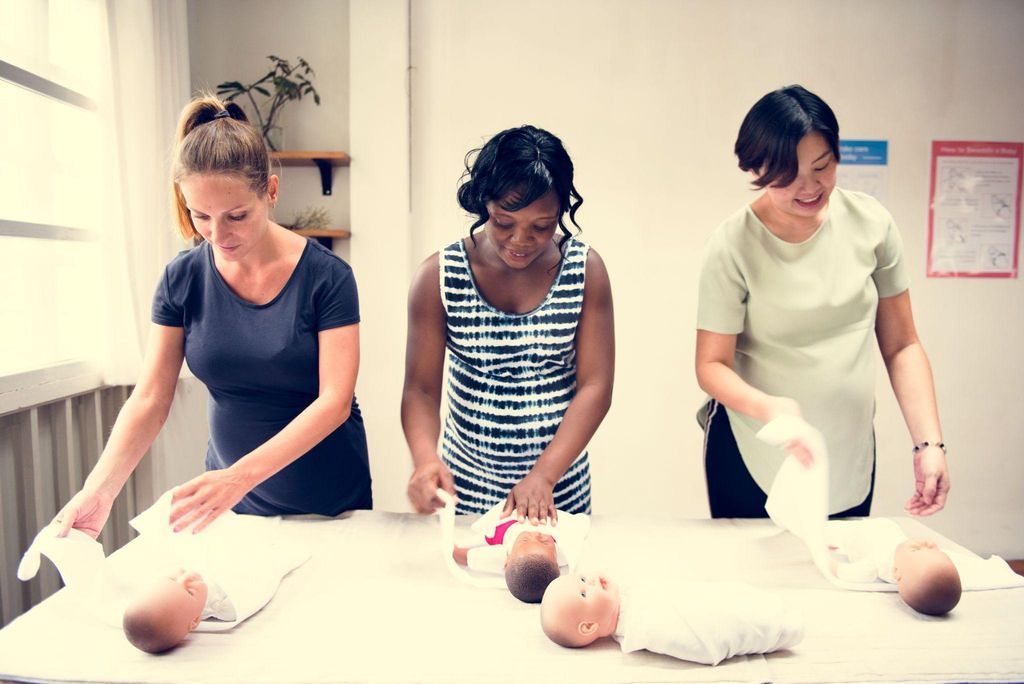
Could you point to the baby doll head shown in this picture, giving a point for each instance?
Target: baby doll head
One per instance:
(531, 565)
(578, 609)
(162, 614)
(927, 579)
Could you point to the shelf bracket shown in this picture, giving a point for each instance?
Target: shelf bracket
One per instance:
(326, 174)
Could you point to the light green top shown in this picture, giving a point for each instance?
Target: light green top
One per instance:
(804, 317)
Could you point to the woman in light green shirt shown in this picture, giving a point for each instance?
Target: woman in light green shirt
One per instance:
(795, 290)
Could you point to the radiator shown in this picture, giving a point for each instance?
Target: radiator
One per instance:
(45, 453)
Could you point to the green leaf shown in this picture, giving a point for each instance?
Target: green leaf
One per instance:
(262, 91)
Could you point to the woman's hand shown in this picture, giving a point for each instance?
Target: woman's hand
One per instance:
(533, 498)
(86, 511)
(424, 483)
(931, 482)
(800, 448)
(202, 499)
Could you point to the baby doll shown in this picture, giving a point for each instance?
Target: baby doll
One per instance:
(246, 555)
(529, 556)
(166, 610)
(881, 557)
(925, 576)
(700, 622)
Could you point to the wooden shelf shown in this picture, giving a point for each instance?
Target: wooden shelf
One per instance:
(292, 158)
(337, 233)
(325, 161)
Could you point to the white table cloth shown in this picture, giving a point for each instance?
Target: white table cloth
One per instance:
(375, 603)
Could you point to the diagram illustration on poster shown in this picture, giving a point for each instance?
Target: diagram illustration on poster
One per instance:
(973, 216)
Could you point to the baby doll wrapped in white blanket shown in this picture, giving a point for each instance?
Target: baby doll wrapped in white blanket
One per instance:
(242, 558)
(864, 550)
(696, 621)
(705, 622)
(852, 554)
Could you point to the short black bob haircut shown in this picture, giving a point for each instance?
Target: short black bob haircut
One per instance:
(774, 126)
(516, 167)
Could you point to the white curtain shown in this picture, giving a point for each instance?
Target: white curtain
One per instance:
(148, 86)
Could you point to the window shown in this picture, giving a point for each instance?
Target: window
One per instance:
(52, 57)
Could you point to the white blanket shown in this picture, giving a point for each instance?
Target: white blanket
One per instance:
(705, 622)
(239, 555)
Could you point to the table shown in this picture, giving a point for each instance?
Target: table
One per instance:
(375, 603)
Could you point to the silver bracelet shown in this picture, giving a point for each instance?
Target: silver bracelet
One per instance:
(922, 445)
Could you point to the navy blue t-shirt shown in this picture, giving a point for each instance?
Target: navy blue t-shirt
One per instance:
(261, 366)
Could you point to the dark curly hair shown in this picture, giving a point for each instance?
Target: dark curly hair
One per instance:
(528, 576)
(773, 128)
(515, 168)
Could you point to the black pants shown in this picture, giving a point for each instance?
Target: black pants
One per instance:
(732, 492)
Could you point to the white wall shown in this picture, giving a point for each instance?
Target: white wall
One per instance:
(647, 95)
(229, 40)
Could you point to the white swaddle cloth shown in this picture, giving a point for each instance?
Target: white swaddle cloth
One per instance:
(705, 622)
(241, 557)
(486, 561)
(446, 516)
(798, 502)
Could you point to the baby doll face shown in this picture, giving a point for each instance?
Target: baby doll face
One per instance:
(182, 594)
(579, 608)
(917, 553)
(928, 580)
(179, 596)
(533, 543)
(165, 611)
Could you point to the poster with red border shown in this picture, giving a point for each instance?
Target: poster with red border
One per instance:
(974, 209)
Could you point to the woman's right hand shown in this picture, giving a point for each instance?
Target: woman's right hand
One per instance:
(424, 483)
(799, 448)
(87, 511)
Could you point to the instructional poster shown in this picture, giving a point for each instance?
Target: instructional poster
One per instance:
(974, 213)
(864, 166)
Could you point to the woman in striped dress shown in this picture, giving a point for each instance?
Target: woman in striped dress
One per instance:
(524, 316)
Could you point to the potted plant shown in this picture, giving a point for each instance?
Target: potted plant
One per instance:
(282, 84)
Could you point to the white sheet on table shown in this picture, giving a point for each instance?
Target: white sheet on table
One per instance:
(373, 604)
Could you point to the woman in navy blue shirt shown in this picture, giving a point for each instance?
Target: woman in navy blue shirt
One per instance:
(269, 321)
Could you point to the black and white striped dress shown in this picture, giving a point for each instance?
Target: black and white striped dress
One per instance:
(510, 379)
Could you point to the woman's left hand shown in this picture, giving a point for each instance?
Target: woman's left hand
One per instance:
(202, 499)
(533, 497)
(931, 482)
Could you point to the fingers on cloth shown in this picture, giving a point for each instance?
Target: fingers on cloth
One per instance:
(200, 516)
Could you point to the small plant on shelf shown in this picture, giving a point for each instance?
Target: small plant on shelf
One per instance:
(282, 84)
(314, 218)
